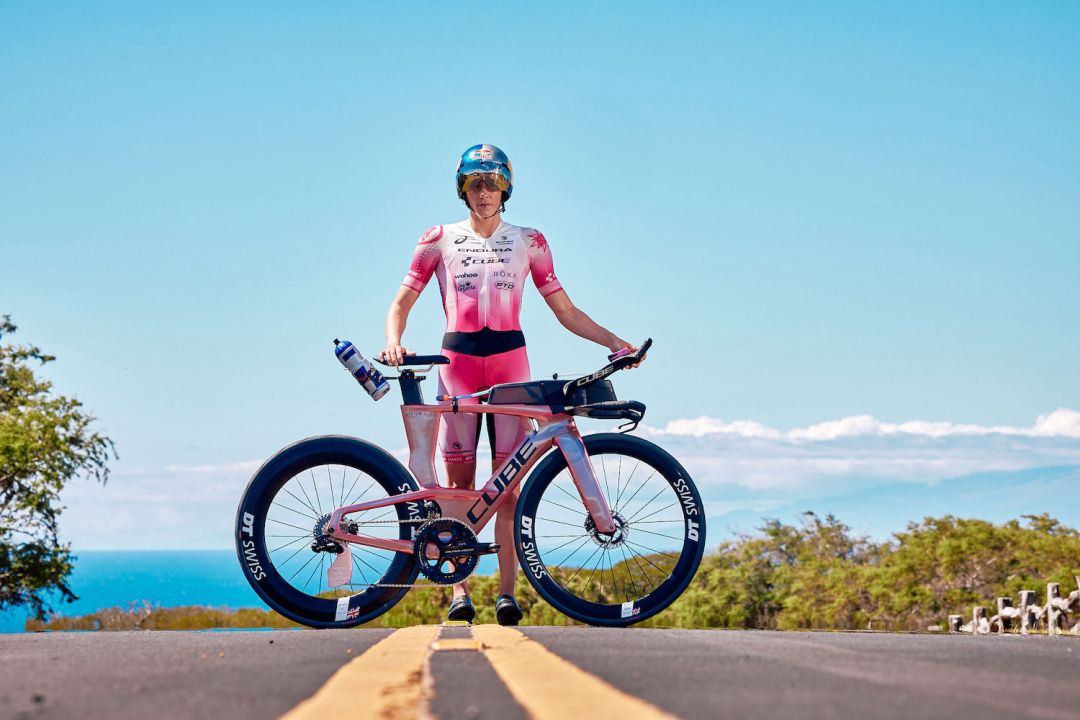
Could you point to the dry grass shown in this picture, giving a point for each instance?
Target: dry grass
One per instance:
(143, 616)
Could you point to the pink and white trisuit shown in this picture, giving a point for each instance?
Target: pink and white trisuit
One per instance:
(481, 280)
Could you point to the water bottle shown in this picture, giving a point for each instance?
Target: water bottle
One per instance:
(361, 369)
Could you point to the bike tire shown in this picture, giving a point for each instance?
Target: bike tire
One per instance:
(657, 561)
(269, 501)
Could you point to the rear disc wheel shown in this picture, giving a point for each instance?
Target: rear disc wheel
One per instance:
(283, 514)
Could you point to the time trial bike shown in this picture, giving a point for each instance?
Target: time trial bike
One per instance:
(333, 531)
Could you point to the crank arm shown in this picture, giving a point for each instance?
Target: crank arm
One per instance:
(465, 550)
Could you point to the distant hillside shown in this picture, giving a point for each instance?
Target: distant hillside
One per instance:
(883, 510)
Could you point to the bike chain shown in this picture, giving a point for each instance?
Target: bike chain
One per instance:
(392, 522)
(431, 586)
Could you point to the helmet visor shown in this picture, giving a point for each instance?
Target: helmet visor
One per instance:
(490, 181)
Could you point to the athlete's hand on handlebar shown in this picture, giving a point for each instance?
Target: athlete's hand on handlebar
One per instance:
(394, 353)
(621, 348)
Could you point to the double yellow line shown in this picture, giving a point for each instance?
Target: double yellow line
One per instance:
(391, 680)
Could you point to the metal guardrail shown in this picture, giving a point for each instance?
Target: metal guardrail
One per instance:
(1054, 616)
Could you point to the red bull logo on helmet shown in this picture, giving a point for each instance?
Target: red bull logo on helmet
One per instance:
(483, 153)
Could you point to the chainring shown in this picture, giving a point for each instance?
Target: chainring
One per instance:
(433, 539)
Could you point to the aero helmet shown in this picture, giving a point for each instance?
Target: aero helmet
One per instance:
(482, 159)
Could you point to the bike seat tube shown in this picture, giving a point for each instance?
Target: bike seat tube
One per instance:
(577, 459)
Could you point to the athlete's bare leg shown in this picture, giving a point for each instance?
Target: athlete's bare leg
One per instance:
(463, 475)
(504, 536)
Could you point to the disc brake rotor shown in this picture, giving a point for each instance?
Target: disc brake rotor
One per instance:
(605, 540)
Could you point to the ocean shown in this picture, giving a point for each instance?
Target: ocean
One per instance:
(169, 578)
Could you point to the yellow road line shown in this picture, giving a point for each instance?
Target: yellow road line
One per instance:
(548, 686)
(383, 682)
(456, 644)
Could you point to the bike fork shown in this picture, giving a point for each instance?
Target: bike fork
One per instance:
(577, 460)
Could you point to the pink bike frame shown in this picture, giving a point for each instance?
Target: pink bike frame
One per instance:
(476, 507)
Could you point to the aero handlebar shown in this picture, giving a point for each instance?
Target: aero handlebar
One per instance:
(617, 363)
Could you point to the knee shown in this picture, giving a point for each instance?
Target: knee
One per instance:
(461, 475)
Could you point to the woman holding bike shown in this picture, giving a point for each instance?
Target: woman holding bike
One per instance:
(481, 264)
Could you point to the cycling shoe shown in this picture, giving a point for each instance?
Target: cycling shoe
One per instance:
(507, 611)
(461, 608)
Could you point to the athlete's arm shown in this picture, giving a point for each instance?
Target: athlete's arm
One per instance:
(396, 318)
(425, 258)
(578, 322)
(572, 318)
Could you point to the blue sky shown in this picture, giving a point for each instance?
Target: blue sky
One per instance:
(819, 212)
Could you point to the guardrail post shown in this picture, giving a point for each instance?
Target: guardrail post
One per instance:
(1027, 599)
(979, 623)
(1074, 606)
(1058, 614)
(1004, 615)
(1053, 592)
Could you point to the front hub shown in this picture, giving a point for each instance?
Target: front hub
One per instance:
(608, 540)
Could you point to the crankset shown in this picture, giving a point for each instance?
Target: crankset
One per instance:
(446, 550)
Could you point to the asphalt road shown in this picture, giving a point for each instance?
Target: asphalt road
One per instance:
(692, 674)
(732, 674)
(147, 674)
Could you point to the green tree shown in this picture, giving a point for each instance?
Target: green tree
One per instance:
(946, 565)
(45, 441)
(825, 579)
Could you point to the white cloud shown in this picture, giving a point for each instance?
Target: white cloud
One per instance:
(247, 468)
(860, 451)
(703, 425)
(1063, 423)
(1060, 423)
(175, 506)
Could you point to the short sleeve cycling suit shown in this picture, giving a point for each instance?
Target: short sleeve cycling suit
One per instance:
(482, 281)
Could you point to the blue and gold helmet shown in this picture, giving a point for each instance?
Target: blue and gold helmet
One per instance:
(485, 160)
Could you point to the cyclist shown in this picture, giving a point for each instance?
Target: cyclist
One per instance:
(481, 264)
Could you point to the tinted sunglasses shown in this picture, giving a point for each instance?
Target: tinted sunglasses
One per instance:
(490, 181)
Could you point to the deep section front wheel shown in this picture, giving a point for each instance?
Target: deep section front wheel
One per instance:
(286, 556)
(629, 575)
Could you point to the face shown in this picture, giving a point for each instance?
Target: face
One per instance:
(484, 198)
